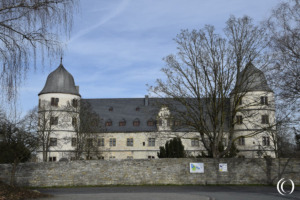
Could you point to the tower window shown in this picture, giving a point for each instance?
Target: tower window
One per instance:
(265, 119)
(73, 142)
(137, 109)
(75, 103)
(53, 120)
(266, 141)
(74, 121)
(242, 141)
(53, 142)
(239, 119)
(240, 101)
(111, 109)
(264, 100)
(54, 101)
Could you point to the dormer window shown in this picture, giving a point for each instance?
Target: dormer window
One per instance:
(150, 122)
(137, 109)
(111, 109)
(108, 123)
(136, 122)
(122, 123)
(177, 123)
(75, 103)
(54, 101)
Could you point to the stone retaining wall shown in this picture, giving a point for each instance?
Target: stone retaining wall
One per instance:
(157, 171)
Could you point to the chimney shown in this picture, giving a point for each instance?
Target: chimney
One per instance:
(77, 88)
(146, 100)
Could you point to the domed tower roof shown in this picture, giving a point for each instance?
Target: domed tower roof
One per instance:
(60, 81)
(251, 79)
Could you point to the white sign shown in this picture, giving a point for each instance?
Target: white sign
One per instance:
(196, 168)
(223, 167)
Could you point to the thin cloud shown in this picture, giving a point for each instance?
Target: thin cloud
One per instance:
(121, 7)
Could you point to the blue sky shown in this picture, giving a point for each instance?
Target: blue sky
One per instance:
(116, 46)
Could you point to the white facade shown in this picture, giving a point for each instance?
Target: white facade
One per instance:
(145, 145)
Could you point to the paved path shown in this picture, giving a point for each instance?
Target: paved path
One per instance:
(171, 193)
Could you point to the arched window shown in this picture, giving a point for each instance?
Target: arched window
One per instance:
(150, 122)
(122, 122)
(136, 122)
(108, 123)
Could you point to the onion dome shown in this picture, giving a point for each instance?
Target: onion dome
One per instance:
(60, 81)
(251, 79)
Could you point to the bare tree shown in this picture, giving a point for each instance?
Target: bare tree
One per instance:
(47, 119)
(86, 124)
(30, 29)
(283, 26)
(206, 73)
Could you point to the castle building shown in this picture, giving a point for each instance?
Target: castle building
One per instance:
(135, 128)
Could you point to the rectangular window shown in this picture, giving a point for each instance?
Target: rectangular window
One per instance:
(151, 157)
(224, 142)
(242, 141)
(40, 105)
(265, 119)
(151, 142)
(89, 142)
(73, 142)
(100, 157)
(112, 142)
(240, 101)
(194, 142)
(129, 157)
(52, 159)
(264, 100)
(75, 103)
(239, 119)
(101, 142)
(74, 121)
(130, 142)
(159, 122)
(266, 141)
(112, 157)
(54, 101)
(53, 120)
(53, 142)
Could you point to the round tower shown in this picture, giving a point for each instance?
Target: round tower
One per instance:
(58, 116)
(253, 111)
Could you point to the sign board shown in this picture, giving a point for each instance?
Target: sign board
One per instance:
(223, 167)
(196, 168)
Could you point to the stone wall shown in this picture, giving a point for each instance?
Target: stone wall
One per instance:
(157, 171)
